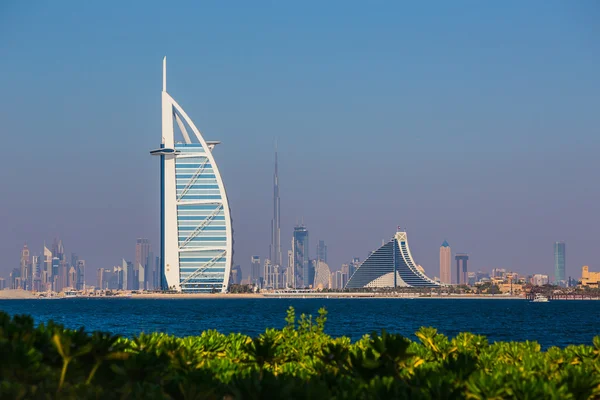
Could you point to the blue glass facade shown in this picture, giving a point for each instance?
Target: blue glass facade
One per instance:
(302, 266)
(559, 263)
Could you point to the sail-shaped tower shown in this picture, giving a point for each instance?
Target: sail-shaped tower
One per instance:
(196, 235)
(391, 265)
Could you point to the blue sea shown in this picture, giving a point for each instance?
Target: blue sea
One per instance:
(556, 323)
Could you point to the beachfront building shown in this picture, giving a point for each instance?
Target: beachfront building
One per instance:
(196, 236)
(391, 265)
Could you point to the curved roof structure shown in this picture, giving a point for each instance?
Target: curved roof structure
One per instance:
(196, 235)
(391, 265)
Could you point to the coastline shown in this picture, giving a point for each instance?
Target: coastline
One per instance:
(25, 295)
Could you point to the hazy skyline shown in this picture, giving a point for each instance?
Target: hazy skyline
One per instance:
(472, 122)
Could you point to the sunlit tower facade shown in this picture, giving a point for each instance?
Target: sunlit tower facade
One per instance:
(461, 269)
(196, 235)
(445, 263)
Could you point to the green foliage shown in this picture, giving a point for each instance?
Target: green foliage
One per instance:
(299, 361)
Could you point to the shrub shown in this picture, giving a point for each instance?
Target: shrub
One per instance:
(299, 361)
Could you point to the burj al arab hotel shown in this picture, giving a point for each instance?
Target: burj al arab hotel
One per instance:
(196, 236)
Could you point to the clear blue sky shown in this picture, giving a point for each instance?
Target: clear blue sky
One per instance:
(475, 122)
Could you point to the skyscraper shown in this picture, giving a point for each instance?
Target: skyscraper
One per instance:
(255, 270)
(461, 269)
(290, 273)
(141, 273)
(24, 272)
(47, 267)
(275, 248)
(72, 278)
(353, 266)
(80, 268)
(303, 276)
(55, 267)
(196, 236)
(125, 281)
(559, 263)
(236, 275)
(142, 249)
(150, 271)
(269, 274)
(58, 249)
(445, 263)
(321, 251)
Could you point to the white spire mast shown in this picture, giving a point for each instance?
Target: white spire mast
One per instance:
(165, 74)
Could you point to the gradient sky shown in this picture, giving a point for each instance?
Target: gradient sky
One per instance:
(475, 122)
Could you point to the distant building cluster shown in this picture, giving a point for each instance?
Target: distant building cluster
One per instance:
(48, 270)
(52, 271)
(141, 274)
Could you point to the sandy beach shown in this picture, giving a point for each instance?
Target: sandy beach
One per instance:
(16, 294)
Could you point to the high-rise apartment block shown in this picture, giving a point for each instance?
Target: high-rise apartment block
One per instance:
(142, 251)
(445, 263)
(255, 275)
(461, 269)
(321, 251)
(269, 274)
(302, 266)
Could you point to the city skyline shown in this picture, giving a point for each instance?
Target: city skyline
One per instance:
(474, 101)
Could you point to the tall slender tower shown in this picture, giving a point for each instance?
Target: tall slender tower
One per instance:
(196, 234)
(559, 263)
(275, 250)
(445, 263)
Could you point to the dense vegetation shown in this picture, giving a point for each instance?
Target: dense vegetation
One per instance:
(297, 362)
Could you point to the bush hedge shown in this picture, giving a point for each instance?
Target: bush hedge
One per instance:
(299, 361)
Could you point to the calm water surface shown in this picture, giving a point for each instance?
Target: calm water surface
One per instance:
(557, 323)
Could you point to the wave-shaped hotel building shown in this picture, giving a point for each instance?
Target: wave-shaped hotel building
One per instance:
(196, 235)
(391, 265)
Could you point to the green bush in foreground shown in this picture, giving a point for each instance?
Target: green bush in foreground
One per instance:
(297, 362)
